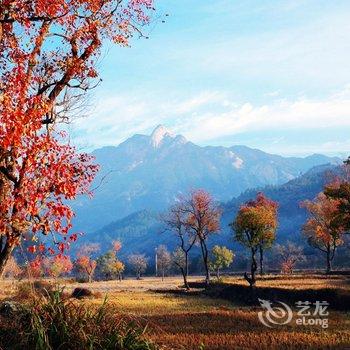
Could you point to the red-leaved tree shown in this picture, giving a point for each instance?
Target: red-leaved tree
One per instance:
(48, 51)
(202, 220)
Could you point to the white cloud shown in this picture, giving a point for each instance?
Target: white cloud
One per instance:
(209, 116)
(303, 113)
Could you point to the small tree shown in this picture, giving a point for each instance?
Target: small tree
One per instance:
(138, 263)
(176, 222)
(221, 258)
(109, 265)
(289, 255)
(256, 222)
(163, 259)
(119, 268)
(319, 229)
(180, 260)
(268, 235)
(116, 246)
(57, 265)
(85, 264)
(202, 220)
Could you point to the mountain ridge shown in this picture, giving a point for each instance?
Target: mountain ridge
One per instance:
(150, 171)
(143, 231)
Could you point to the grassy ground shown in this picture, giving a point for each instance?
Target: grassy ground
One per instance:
(196, 321)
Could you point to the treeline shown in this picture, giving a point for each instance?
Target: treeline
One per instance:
(193, 220)
(196, 217)
(88, 265)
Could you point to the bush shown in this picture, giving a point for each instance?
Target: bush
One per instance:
(28, 291)
(52, 322)
(81, 293)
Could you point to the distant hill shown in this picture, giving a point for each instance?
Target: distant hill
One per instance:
(142, 231)
(148, 172)
(139, 232)
(289, 196)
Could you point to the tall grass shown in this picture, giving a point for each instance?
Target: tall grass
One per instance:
(54, 322)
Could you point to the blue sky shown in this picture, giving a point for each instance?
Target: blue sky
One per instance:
(273, 75)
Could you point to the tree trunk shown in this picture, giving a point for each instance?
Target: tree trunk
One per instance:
(163, 275)
(218, 273)
(253, 267)
(5, 255)
(206, 262)
(329, 263)
(261, 251)
(183, 272)
(186, 263)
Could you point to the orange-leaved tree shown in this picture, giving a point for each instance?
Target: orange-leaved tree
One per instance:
(85, 264)
(340, 190)
(255, 227)
(48, 52)
(268, 209)
(319, 229)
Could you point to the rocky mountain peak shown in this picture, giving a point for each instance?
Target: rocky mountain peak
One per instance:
(158, 134)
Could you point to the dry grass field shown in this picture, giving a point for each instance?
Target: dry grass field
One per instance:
(194, 320)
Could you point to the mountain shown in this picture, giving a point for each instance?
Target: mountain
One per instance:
(149, 171)
(139, 232)
(142, 231)
(288, 196)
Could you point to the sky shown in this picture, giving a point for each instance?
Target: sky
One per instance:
(273, 75)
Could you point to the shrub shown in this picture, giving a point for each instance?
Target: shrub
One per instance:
(81, 293)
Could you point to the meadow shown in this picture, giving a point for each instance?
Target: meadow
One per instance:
(199, 320)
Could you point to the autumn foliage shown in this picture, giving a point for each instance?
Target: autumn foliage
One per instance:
(51, 266)
(85, 264)
(202, 220)
(255, 227)
(319, 229)
(48, 52)
(109, 266)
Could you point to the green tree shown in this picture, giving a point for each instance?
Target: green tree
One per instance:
(254, 226)
(109, 266)
(221, 258)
